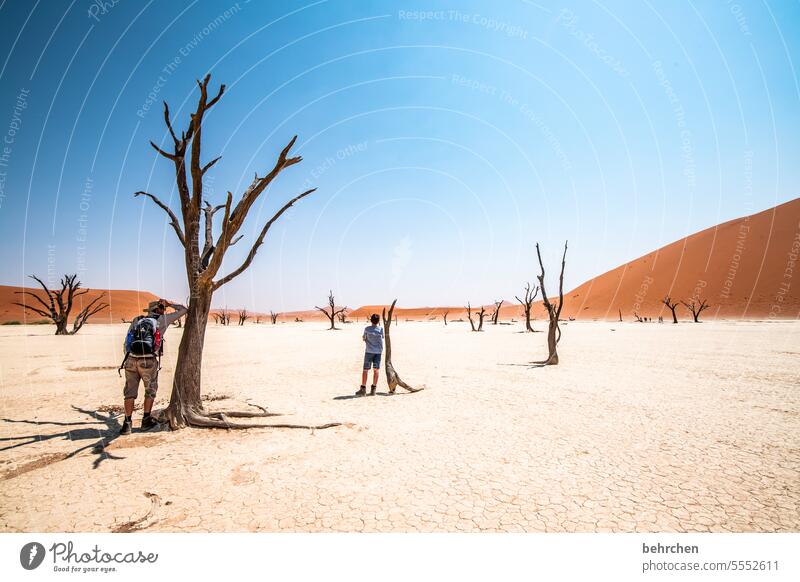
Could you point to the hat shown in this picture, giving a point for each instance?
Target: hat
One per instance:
(153, 305)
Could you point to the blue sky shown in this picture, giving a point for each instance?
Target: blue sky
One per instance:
(445, 138)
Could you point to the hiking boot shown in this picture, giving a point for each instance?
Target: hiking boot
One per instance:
(126, 427)
(149, 422)
(372, 390)
(362, 391)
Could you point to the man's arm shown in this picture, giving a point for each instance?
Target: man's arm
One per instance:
(125, 339)
(170, 318)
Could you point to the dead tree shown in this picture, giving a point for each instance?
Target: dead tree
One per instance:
(637, 317)
(273, 317)
(527, 304)
(333, 313)
(672, 305)
(343, 316)
(444, 316)
(223, 317)
(696, 308)
(58, 304)
(243, 316)
(258, 319)
(496, 314)
(392, 379)
(553, 311)
(203, 264)
(620, 313)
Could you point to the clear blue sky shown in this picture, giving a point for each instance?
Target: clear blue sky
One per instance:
(445, 138)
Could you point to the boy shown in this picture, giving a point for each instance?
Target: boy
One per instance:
(373, 337)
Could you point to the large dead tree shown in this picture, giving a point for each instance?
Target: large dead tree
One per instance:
(58, 303)
(527, 303)
(243, 316)
(333, 313)
(203, 263)
(696, 308)
(672, 305)
(392, 379)
(273, 317)
(553, 311)
(496, 313)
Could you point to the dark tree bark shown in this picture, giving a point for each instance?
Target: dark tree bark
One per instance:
(672, 305)
(496, 314)
(343, 316)
(59, 303)
(527, 304)
(392, 378)
(243, 316)
(553, 311)
(620, 313)
(203, 265)
(273, 317)
(444, 316)
(637, 317)
(481, 315)
(696, 308)
(469, 316)
(333, 313)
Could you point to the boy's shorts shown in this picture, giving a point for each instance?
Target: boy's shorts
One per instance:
(372, 361)
(144, 369)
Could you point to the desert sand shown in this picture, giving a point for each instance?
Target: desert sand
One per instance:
(642, 427)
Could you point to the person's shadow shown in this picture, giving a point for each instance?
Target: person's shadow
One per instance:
(101, 437)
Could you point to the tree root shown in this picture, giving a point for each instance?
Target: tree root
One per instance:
(394, 381)
(143, 522)
(219, 420)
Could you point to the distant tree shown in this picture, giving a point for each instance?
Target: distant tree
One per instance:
(620, 314)
(444, 316)
(223, 316)
(637, 317)
(696, 308)
(333, 313)
(527, 304)
(273, 317)
(392, 378)
(58, 303)
(553, 310)
(343, 316)
(672, 305)
(496, 314)
(243, 316)
(481, 314)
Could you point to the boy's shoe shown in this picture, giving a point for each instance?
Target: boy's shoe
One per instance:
(126, 428)
(372, 390)
(149, 422)
(362, 391)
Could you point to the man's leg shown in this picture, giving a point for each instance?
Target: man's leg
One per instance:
(150, 378)
(129, 393)
(376, 366)
(364, 378)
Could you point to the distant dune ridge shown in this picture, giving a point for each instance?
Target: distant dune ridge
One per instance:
(746, 268)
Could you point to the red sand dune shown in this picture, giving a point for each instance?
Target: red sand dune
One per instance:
(744, 268)
(122, 304)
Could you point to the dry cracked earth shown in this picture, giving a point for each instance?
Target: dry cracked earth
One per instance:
(643, 427)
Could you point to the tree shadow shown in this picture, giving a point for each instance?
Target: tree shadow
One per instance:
(102, 438)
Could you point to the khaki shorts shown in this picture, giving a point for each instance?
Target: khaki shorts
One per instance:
(144, 369)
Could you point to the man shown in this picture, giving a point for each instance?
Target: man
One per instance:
(143, 347)
(373, 337)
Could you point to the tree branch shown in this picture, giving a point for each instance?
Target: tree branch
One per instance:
(173, 219)
(259, 240)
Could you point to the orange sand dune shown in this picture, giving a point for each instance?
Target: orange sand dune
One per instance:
(744, 268)
(122, 304)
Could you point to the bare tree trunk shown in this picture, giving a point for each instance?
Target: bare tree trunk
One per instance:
(469, 316)
(481, 315)
(553, 311)
(496, 314)
(620, 314)
(527, 304)
(333, 313)
(392, 378)
(445, 317)
(273, 317)
(672, 305)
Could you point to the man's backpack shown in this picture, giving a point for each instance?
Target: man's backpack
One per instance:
(144, 337)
